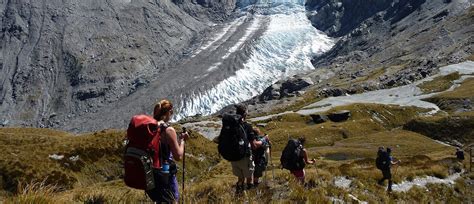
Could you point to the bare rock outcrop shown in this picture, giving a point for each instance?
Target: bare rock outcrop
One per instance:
(286, 88)
(376, 34)
(68, 58)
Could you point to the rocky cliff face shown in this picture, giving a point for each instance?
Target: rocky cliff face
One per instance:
(407, 38)
(60, 59)
(339, 17)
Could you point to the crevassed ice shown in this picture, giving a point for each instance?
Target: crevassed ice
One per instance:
(248, 32)
(284, 49)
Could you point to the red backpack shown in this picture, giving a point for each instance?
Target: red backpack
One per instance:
(142, 152)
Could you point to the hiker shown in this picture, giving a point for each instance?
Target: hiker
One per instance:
(459, 154)
(295, 157)
(260, 155)
(245, 167)
(235, 144)
(171, 148)
(384, 162)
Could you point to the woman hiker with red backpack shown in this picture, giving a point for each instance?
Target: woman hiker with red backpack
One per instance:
(295, 157)
(300, 174)
(172, 147)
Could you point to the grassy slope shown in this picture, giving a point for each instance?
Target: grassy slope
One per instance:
(24, 161)
(366, 119)
(26, 157)
(462, 92)
(352, 155)
(440, 83)
(342, 149)
(456, 125)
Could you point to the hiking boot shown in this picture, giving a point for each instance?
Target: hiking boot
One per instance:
(250, 186)
(389, 187)
(239, 189)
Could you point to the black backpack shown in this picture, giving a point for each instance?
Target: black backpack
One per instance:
(460, 155)
(233, 142)
(382, 161)
(292, 157)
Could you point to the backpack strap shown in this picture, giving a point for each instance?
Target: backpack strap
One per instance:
(164, 149)
(248, 146)
(157, 140)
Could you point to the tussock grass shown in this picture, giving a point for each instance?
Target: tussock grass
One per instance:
(353, 157)
(34, 192)
(366, 119)
(27, 157)
(84, 162)
(440, 83)
(342, 149)
(461, 92)
(455, 101)
(108, 192)
(459, 126)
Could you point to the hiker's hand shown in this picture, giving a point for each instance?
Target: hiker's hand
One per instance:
(313, 160)
(184, 136)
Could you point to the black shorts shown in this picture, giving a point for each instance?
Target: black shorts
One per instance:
(387, 174)
(164, 192)
(259, 169)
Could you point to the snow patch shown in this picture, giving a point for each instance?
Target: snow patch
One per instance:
(422, 182)
(342, 182)
(357, 199)
(56, 157)
(74, 158)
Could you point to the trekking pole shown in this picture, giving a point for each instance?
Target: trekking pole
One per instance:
(265, 177)
(184, 166)
(396, 168)
(273, 168)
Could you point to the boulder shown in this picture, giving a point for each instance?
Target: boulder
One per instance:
(332, 92)
(288, 88)
(272, 92)
(319, 118)
(340, 116)
(296, 84)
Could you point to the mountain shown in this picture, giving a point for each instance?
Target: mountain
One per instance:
(420, 35)
(381, 44)
(62, 59)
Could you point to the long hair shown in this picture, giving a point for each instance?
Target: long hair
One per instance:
(161, 109)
